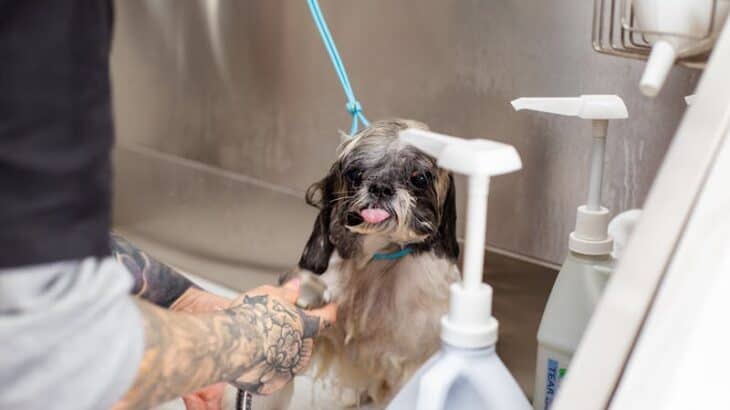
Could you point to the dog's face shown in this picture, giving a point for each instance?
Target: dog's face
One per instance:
(380, 188)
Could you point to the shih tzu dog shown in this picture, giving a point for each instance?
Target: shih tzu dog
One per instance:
(385, 244)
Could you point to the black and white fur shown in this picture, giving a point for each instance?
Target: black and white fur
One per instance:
(389, 310)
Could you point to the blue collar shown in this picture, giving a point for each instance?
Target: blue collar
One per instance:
(393, 255)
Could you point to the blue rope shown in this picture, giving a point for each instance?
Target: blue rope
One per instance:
(353, 106)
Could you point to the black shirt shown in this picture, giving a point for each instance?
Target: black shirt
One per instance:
(55, 130)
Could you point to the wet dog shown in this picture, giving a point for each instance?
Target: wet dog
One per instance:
(385, 244)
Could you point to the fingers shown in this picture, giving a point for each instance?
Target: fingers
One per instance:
(289, 292)
(207, 398)
(274, 385)
(195, 300)
(326, 314)
(292, 284)
(193, 402)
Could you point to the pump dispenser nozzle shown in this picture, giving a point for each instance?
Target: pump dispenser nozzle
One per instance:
(466, 373)
(589, 107)
(469, 323)
(591, 228)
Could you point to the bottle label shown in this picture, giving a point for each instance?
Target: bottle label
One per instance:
(555, 375)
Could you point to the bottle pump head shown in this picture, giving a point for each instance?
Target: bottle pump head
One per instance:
(469, 323)
(589, 107)
(591, 228)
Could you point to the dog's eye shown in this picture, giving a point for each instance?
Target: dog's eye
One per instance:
(354, 176)
(420, 180)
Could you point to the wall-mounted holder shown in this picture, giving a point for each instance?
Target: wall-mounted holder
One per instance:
(660, 31)
(615, 32)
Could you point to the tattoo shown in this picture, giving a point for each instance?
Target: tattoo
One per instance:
(288, 335)
(259, 345)
(185, 352)
(153, 281)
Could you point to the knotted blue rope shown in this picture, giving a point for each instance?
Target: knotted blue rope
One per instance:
(353, 106)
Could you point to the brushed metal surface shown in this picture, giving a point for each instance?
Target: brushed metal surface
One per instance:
(246, 87)
(230, 229)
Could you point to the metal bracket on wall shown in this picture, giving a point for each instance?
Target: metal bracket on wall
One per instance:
(615, 33)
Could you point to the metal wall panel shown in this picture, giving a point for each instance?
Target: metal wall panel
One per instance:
(246, 86)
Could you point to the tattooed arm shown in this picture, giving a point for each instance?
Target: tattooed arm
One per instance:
(259, 345)
(266, 339)
(160, 284)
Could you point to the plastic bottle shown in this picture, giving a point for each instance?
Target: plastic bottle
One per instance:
(466, 373)
(483, 382)
(586, 269)
(570, 306)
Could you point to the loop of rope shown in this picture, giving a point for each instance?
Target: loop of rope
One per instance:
(353, 106)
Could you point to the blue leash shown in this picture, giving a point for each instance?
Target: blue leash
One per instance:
(353, 106)
(244, 398)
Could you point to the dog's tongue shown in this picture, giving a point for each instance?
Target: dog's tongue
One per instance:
(374, 215)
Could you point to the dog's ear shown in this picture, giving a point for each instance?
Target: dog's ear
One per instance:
(316, 255)
(446, 241)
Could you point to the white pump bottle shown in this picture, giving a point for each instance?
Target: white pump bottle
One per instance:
(586, 270)
(467, 373)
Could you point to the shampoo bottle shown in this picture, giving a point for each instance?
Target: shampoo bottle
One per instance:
(586, 270)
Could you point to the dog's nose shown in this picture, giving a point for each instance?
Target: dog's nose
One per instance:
(381, 190)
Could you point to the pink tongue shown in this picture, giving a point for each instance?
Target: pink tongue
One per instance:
(374, 215)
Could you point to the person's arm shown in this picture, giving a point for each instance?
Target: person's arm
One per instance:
(160, 284)
(259, 345)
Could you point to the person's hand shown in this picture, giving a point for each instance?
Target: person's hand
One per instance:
(207, 398)
(286, 335)
(196, 300)
(199, 301)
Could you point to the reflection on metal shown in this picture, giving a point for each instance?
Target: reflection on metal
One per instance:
(242, 87)
(209, 222)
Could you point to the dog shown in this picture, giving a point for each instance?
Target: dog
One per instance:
(384, 242)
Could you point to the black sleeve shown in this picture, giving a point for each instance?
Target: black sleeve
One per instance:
(55, 130)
